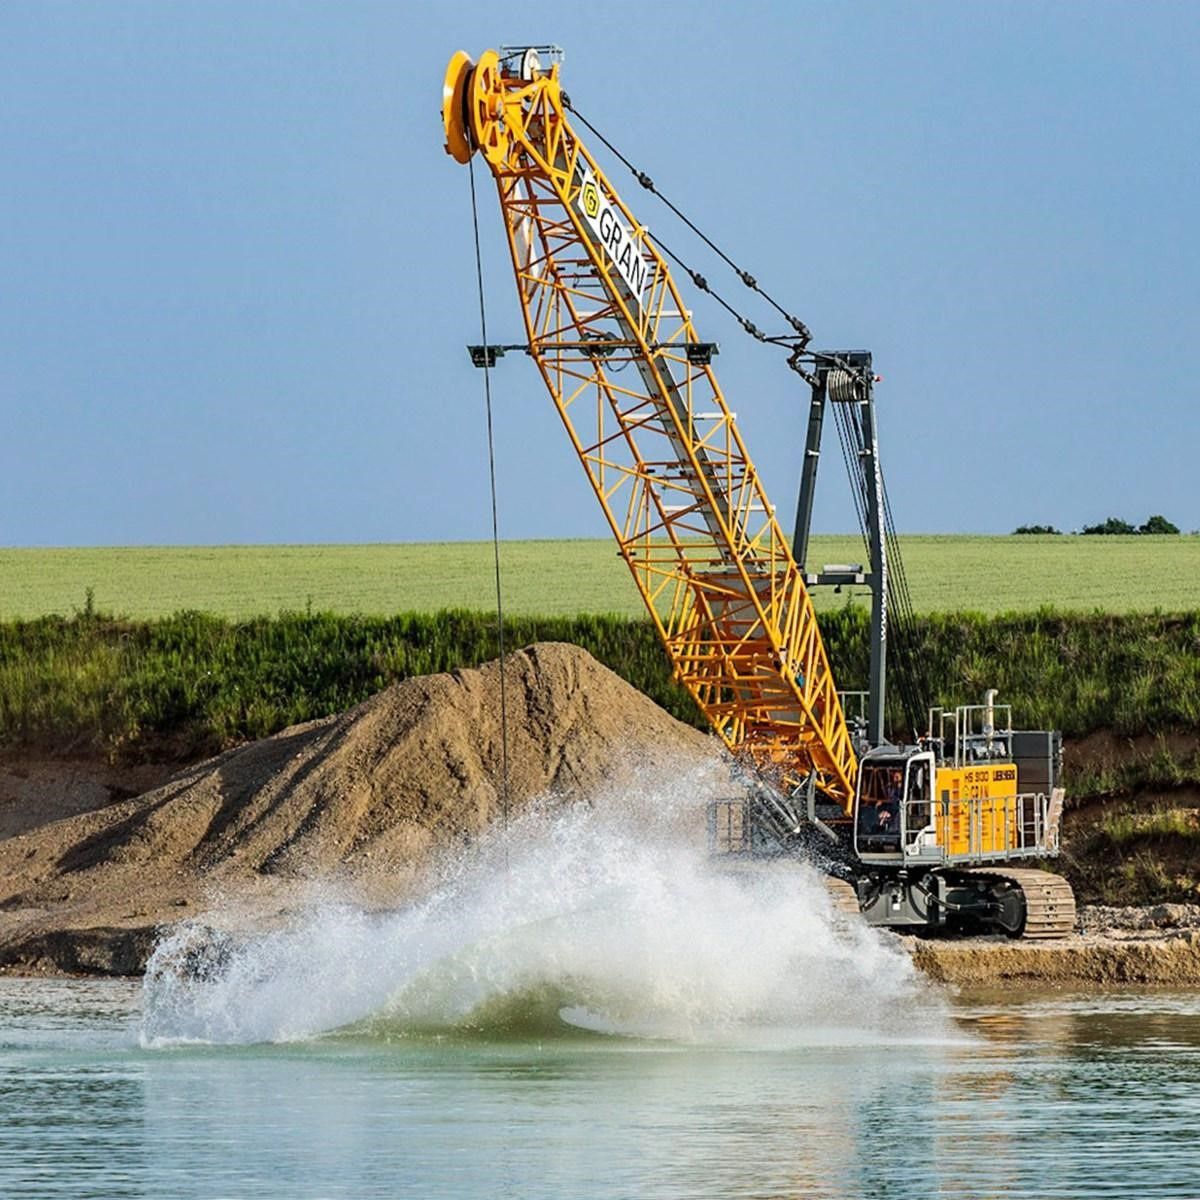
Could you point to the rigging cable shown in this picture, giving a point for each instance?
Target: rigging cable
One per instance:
(749, 280)
(912, 676)
(487, 394)
(906, 665)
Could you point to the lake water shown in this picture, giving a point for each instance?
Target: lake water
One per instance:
(1079, 1096)
(585, 1008)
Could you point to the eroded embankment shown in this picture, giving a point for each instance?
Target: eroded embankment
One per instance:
(1131, 832)
(1157, 945)
(1169, 961)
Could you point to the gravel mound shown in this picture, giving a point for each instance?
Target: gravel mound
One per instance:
(1105, 920)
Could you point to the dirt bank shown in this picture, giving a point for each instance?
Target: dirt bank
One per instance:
(369, 798)
(36, 790)
(1147, 945)
(1168, 961)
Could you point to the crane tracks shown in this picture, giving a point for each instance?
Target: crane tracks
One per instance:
(1049, 900)
(843, 896)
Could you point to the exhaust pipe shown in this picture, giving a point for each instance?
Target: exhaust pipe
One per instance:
(989, 715)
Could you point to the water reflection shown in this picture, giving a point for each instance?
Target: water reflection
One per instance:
(1033, 1096)
(1082, 1084)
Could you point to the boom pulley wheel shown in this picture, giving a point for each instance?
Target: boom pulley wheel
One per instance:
(454, 112)
(485, 107)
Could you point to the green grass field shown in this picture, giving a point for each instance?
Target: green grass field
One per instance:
(553, 578)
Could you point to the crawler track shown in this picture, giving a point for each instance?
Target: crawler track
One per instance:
(1049, 901)
(843, 896)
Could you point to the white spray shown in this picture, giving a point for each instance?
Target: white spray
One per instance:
(608, 917)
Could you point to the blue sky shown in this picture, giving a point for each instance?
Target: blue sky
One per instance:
(238, 273)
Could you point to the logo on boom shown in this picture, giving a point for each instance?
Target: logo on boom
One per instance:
(591, 199)
(622, 245)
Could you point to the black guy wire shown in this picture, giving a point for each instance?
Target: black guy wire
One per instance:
(491, 444)
(905, 671)
(910, 675)
(704, 286)
(648, 183)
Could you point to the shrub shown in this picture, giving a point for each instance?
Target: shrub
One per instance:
(1112, 526)
(1158, 524)
(193, 683)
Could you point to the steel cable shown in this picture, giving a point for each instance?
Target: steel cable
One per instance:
(801, 333)
(910, 670)
(491, 446)
(910, 679)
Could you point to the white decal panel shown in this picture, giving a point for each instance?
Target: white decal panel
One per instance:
(618, 240)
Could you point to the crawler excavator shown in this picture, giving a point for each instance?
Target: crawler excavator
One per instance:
(925, 835)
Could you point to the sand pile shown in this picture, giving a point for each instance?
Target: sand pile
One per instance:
(370, 794)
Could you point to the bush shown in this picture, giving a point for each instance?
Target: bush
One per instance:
(1155, 524)
(191, 684)
(1036, 529)
(1158, 524)
(1113, 525)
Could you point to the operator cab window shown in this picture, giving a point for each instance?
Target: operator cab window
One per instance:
(917, 800)
(881, 790)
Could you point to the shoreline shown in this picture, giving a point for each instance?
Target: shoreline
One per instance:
(99, 859)
(1155, 945)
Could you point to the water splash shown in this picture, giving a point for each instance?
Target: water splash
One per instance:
(607, 917)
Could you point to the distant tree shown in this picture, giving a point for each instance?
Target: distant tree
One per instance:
(1112, 525)
(1036, 529)
(1158, 524)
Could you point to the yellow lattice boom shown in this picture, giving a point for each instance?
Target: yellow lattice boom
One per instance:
(610, 334)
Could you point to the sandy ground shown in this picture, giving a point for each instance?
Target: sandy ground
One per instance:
(367, 799)
(35, 791)
(1151, 945)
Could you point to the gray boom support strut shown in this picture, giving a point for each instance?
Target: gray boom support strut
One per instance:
(847, 378)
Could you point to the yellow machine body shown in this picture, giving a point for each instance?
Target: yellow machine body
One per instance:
(975, 810)
(983, 794)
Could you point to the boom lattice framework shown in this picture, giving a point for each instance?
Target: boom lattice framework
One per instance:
(610, 335)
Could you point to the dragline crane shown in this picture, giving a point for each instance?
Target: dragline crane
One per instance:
(634, 385)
